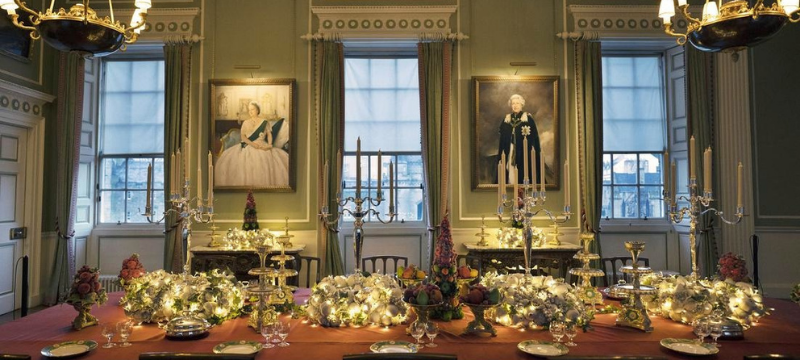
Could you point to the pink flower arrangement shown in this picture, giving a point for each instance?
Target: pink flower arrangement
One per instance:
(732, 266)
(131, 268)
(86, 288)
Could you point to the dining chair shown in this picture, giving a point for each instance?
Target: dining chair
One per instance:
(609, 357)
(770, 356)
(384, 259)
(15, 357)
(308, 263)
(400, 356)
(194, 356)
(612, 265)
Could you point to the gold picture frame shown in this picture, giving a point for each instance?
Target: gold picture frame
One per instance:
(491, 100)
(263, 160)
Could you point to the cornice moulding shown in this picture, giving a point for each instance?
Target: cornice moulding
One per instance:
(621, 21)
(390, 22)
(22, 100)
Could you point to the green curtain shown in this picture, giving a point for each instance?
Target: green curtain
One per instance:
(68, 128)
(177, 64)
(589, 99)
(700, 101)
(329, 70)
(435, 60)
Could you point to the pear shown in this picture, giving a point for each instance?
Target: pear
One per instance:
(494, 296)
(400, 270)
(422, 298)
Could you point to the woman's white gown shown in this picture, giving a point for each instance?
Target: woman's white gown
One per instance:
(255, 168)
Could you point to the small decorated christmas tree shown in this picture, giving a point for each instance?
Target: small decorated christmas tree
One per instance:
(444, 274)
(250, 214)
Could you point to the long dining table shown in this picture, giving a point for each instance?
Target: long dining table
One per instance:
(776, 333)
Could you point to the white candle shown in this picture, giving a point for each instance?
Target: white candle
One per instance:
(147, 206)
(515, 176)
(172, 174)
(358, 168)
(505, 167)
(178, 174)
(391, 186)
(566, 183)
(707, 170)
(665, 169)
(210, 182)
(325, 180)
(199, 186)
(692, 159)
(379, 174)
(533, 168)
(541, 170)
(185, 163)
(524, 160)
(739, 203)
(499, 184)
(339, 170)
(673, 182)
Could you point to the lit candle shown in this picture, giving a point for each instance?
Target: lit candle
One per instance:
(379, 174)
(524, 161)
(149, 187)
(358, 168)
(541, 171)
(707, 170)
(692, 159)
(566, 183)
(391, 186)
(533, 168)
(210, 181)
(339, 170)
(325, 180)
(739, 203)
(673, 181)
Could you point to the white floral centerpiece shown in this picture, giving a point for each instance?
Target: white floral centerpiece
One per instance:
(683, 300)
(534, 301)
(160, 296)
(245, 239)
(356, 300)
(511, 237)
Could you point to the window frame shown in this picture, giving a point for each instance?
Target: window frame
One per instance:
(100, 157)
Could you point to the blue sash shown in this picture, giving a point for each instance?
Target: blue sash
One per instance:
(254, 135)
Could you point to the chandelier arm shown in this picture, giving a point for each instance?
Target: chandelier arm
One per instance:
(33, 31)
(688, 16)
(24, 7)
(681, 38)
(794, 17)
(129, 31)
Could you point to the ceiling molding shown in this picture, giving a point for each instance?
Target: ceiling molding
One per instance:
(22, 100)
(621, 21)
(162, 23)
(387, 22)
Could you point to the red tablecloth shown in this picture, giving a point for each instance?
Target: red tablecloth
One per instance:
(777, 333)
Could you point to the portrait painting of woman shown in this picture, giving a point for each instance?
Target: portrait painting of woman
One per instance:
(253, 146)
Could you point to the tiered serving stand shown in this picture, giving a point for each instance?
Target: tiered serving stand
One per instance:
(634, 314)
(483, 234)
(262, 289)
(588, 292)
(283, 292)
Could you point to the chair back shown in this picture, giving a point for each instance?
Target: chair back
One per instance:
(770, 356)
(15, 357)
(612, 265)
(400, 356)
(194, 356)
(385, 260)
(312, 270)
(612, 357)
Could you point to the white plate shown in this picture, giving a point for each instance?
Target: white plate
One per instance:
(542, 348)
(689, 346)
(237, 347)
(69, 348)
(393, 346)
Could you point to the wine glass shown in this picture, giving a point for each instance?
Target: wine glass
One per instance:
(108, 330)
(266, 332)
(700, 327)
(431, 330)
(571, 330)
(124, 329)
(715, 330)
(283, 332)
(557, 329)
(418, 331)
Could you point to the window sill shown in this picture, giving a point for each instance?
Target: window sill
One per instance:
(635, 225)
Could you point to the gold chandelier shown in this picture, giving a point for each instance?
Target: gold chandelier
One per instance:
(79, 28)
(733, 25)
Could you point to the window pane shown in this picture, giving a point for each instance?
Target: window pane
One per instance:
(158, 174)
(625, 169)
(137, 173)
(605, 210)
(136, 203)
(625, 204)
(617, 71)
(112, 173)
(651, 169)
(409, 204)
(409, 168)
(606, 169)
(650, 203)
(112, 206)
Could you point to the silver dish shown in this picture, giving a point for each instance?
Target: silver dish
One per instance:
(187, 327)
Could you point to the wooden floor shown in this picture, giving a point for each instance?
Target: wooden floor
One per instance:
(11, 316)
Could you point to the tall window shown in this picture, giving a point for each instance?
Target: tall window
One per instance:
(634, 137)
(382, 108)
(131, 138)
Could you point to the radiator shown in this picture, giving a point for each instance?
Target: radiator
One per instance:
(110, 283)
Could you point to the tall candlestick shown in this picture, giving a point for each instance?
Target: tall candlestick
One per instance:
(178, 173)
(380, 167)
(516, 185)
(503, 160)
(172, 174)
(665, 170)
(566, 183)
(739, 203)
(199, 187)
(533, 168)
(185, 163)
(692, 159)
(673, 181)
(524, 160)
(499, 184)
(339, 170)
(707, 171)
(541, 171)
(391, 186)
(325, 176)
(210, 181)
(358, 168)
(147, 205)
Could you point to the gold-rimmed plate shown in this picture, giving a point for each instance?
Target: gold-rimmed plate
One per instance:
(237, 347)
(689, 346)
(542, 348)
(69, 348)
(394, 346)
